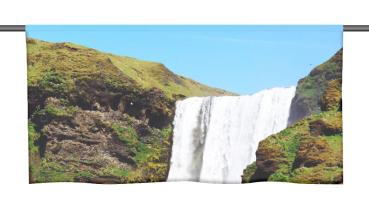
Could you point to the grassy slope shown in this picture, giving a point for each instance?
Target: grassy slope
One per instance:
(299, 156)
(66, 80)
(152, 74)
(77, 60)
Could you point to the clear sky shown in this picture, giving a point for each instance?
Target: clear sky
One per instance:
(241, 59)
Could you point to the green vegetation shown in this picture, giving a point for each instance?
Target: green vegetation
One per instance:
(66, 58)
(300, 155)
(60, 112)
(144, 151)
(59, 64)
(126, 134)
(114, 171)
(249, 172)
(33, 135)
(319, 174)
(57, 109)
(335, 141)
(99, 117)
(54, 172)
(84, 175)
(156, 75)
(142, 154)
(56, 83)
(312, 86)
(34, 151)
(311, 89)
(310, 150)
(307, 88)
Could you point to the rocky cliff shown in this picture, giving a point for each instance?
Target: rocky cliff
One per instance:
(310, 149)
(101, 118)
(310, 89)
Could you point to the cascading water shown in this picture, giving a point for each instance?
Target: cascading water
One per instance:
(215, 138)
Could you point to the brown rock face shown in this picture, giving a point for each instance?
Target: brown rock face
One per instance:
(268, 158)
(97, 117)
(312, 152)
(86, 141)
(311, 89)
(322, 127)
(98, 146)
(332, 97)
(310, 149)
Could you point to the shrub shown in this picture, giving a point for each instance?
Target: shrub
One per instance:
(115, 171)
(143, 153)
(55, 83)
(126, 135)
(54, 172)
(33, 135)
(279, 177)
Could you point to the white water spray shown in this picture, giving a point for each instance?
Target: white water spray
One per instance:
(215, 138)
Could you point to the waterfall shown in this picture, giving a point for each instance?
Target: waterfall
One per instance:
(215, 138)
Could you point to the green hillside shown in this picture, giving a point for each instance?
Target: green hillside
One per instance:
(78, 60)
(152, 74)
(98, 117)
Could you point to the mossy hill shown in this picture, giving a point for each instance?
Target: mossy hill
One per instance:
(98, 117)
(310, 150)
(73, 60)
(310, 89)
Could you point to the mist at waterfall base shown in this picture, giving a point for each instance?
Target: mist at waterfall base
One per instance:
(215, 138)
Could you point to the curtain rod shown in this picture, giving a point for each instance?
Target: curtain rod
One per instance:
(346, 28)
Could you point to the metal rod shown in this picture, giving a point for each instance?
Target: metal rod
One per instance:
(346, 28)
(356, 28)
(12, 28)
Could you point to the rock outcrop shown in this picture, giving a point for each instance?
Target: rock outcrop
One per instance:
(311, 89)
(300, 153)
(100, 118)
(309, 150)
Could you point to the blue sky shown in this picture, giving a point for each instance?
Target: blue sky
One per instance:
(241, 59)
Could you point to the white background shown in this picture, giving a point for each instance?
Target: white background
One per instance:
(19, 199)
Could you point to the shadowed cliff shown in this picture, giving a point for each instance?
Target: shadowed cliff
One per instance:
(310, 89)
